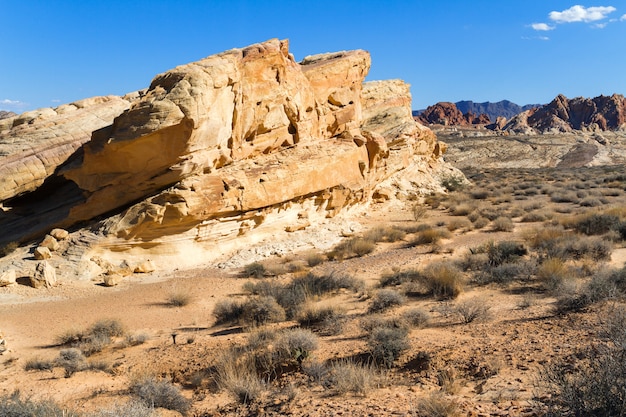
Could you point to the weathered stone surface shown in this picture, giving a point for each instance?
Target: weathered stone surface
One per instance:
(35, 143)
(44, 276)
(41, 253)
(7, 278)
(215, 148)
(59, 234)
(111, 280)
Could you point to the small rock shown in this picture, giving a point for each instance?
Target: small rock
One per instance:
(50, 243)
(44, 276)
(59, 234)
(145, 267)
(41, 253)
(7, 278)
(111, 280)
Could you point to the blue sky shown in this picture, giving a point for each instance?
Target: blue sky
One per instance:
(57, 51)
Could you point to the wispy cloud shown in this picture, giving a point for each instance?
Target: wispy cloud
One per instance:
(542, 26)
(623, 18)
(579, 13)
(534, 38)
(6, 104)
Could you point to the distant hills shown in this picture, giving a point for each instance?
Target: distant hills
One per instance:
(504, 108)
(6, 114)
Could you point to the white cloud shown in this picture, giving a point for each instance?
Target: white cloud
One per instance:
(6, 104)
(543, 38)
(540, 38)
(600, 25)
(579, 13)
(541, 26)
(623, 17)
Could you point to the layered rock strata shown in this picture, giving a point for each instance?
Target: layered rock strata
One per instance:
(221, 146)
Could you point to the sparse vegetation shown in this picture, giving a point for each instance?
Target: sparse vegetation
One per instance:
(385, 299)
(158, 393)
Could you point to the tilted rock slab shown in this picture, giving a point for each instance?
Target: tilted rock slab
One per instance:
(218, 147)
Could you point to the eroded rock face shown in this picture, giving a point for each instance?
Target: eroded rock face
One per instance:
(35, 143)
(218, 147)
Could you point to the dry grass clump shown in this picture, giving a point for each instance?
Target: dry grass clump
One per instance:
(351, 377)
(257, 311)
(314, 259)
(386, 344)
(416, 317)
(328, 317)
(503, 224)
(254, 270)
(462, 209)
(443, 280)
(14, 406)
(236, 374)
(438, 405)
(456, 224)
(38, 364)
(552, 273)
(419, 211)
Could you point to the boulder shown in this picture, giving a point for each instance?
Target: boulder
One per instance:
(111, 280)
(59, 234)
(145, 267)
(7, 278)
(41, 253)
(50, 243)
(44, 276)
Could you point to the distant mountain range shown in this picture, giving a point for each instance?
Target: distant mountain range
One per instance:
(6, 114)
(504, 108)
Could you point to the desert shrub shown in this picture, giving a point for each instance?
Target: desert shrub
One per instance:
(136, 339)
(387, 344)
(254, 270)
(456, 224)
(227, 311)
(503, 224)
(506, 273)
(129, 409)
(462, 210)
(385, 234)
(178, 299)
(533, 217)
(95, 338)
(433, 200)
(438, 405)
(71, 360)
(472, 309)
(314, 259)
(416, 317)
(361, 247)
(481, 194)
(374, 321)
(316, 370)
(592, 386)
(564, 197)
(298, 343)
(347, 376)
(504, 252)
(14, 406)
(552, 272)
(443, 280)
(595, 223)
(419, 211)
(385, 299)
(108, 328)
(429, 236)
(8, 249)
(398, 277)
(257, 311)
(329, 317)
(574, 247)
(237, 375)
(590, 202)
(480, 222)
(453, 182)
(38, 364)
(158, 393)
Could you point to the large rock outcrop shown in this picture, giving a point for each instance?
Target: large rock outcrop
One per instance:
(218, 147)
(563, 115)
(447, 114)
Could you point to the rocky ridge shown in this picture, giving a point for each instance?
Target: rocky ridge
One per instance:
(563, 115)
(447, 114)
(244, 143)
